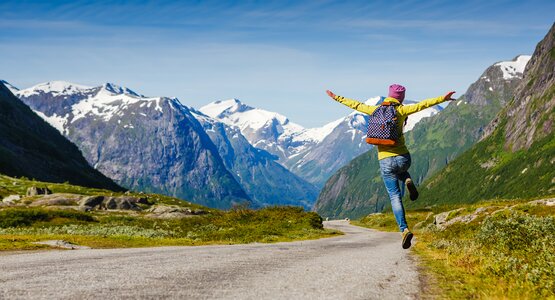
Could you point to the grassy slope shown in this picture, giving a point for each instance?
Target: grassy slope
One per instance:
(21, 226)
(497, 256)
(488, 170)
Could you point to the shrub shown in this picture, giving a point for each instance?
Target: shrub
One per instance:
(15, 217)
(520, 247)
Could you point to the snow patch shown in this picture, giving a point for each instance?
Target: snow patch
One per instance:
(108, 102)
(512, 69)
(54, 121)
(56, 88)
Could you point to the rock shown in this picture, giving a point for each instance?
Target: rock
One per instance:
(11, 199)
(91, 201)
(57, 200)
(62, 244)
(107, 202)
(546, 202)
(140, 200)
(171, 212)
(441, 219)
(120, 203)
(442, 223)
(34, 191)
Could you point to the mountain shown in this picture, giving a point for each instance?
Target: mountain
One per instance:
(30, 147)
(516, 157)
(265, 130)
(10, 87)
(357, 189)
(147, 144)
(311, 153)
(264, 180)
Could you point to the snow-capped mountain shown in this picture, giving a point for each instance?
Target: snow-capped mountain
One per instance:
(30, 147)
(149, 144)
(266, 130)
(256, 169)
(311, 153)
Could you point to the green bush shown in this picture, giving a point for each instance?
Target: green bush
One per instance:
(16, 217)
(521, 248)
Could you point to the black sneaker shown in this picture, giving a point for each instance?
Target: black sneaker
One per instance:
(407, 237)
(413, 192)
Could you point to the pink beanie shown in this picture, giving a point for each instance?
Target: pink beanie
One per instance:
(397, 91)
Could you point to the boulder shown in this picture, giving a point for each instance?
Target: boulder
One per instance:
(442, 222)
(62, 244)
(34, 191)
(119, 203)
(140, 200)
(11, 199)
(58, 200)
(111, 203)
(171, 212)
(91, 201)
(546, 202)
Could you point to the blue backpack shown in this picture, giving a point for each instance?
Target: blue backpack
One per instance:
(382, 126)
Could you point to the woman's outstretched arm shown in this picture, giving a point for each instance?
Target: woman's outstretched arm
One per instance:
(413, 108)
(356, 105)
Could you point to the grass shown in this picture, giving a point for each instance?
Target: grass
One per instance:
(504, 255)
(21, 226)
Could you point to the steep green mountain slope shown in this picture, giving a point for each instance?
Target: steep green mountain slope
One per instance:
(357, 189)
(30, 147)
(516, 159)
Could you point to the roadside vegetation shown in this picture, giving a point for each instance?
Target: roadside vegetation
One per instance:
(22, 225)
(507, 250)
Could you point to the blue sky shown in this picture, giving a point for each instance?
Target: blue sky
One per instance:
(279, 55)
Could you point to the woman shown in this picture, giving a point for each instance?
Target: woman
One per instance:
(395, 159)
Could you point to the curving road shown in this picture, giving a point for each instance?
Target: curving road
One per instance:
(362, 264)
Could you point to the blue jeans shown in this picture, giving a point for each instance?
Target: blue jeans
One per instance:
(394, 169)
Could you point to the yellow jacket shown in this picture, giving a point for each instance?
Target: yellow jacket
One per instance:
(403, 111)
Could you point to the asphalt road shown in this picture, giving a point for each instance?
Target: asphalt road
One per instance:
(362, 264)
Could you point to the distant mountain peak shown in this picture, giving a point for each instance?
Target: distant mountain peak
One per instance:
(236, 113)
(119, 90)
(222, 108)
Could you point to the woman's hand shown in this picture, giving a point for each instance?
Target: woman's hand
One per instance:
(331, 94)
(448, 96)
